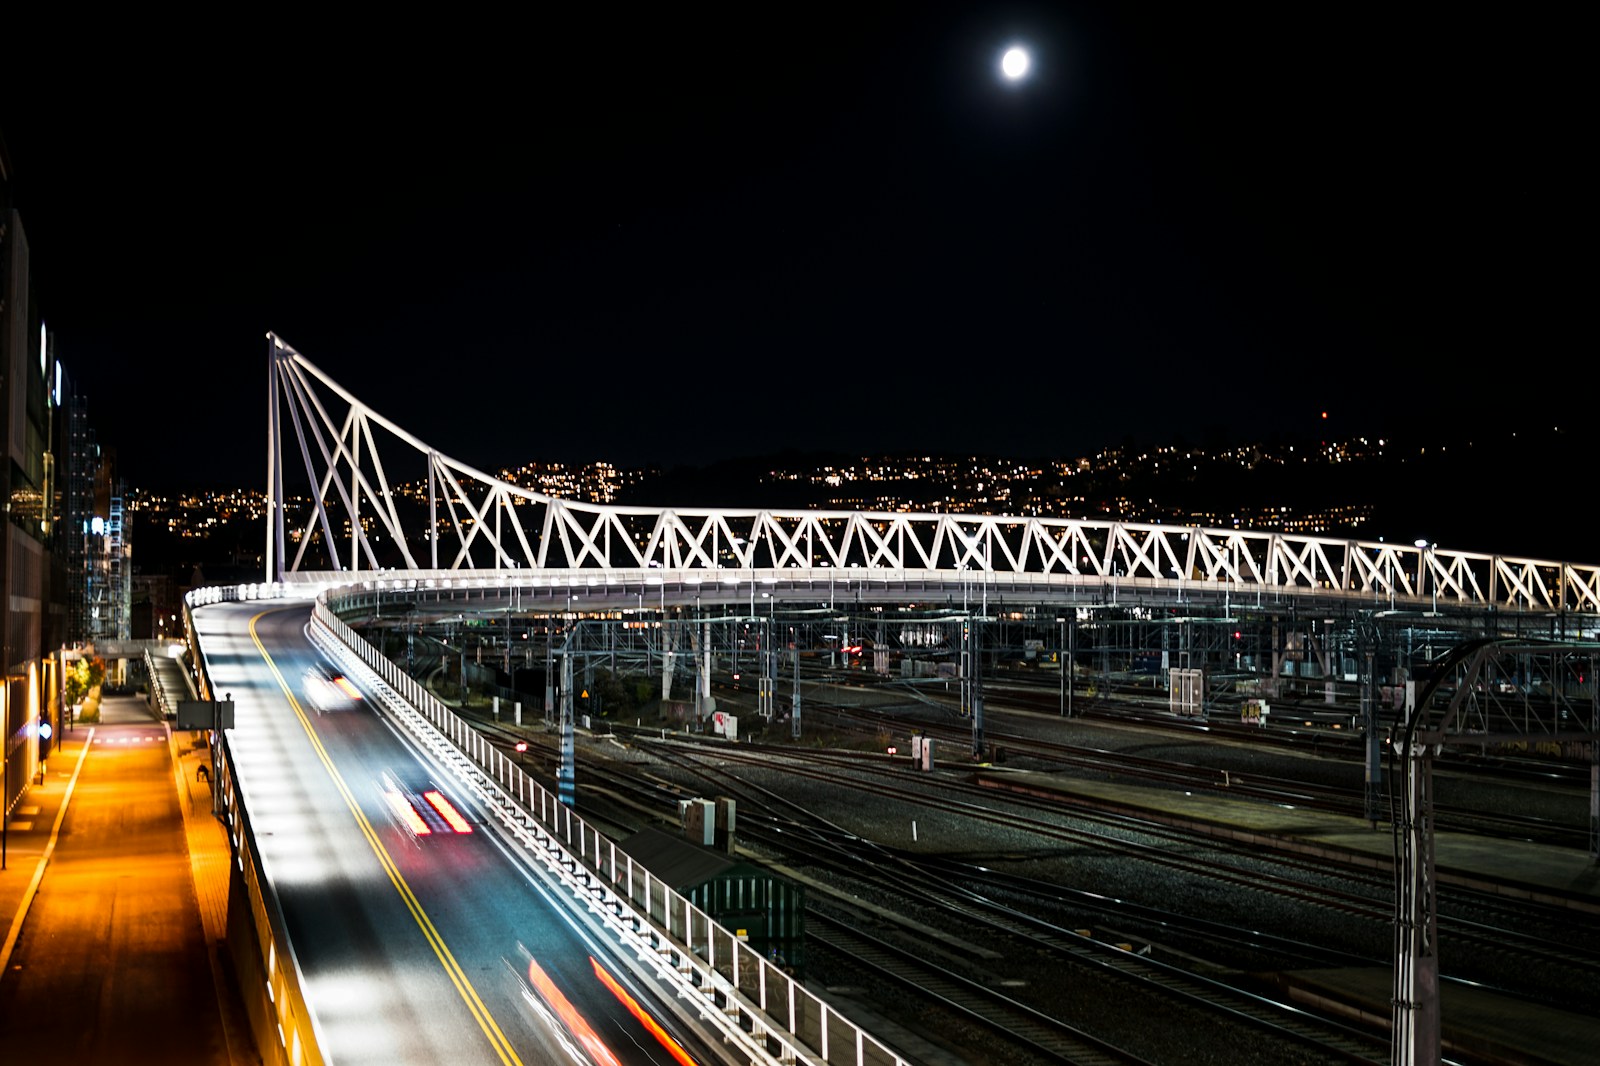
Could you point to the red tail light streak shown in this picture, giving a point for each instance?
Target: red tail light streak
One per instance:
(406, 813)
(575, 1022)
(447, 811)
(673, 1047)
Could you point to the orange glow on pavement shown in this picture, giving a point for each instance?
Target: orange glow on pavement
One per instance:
(575, 1023)
(673, 1047)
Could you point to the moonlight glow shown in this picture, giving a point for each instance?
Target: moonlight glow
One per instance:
(1014, 64)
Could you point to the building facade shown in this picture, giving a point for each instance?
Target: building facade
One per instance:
(32, 581)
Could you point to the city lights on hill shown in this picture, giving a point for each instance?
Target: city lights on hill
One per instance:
(1087, 487)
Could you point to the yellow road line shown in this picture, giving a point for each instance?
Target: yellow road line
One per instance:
(452, 969)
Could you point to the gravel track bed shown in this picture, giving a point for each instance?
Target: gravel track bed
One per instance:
(1093, 1000)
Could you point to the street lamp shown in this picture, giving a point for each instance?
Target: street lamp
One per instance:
(1427, 560)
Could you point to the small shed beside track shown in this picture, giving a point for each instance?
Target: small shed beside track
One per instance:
(763, 909)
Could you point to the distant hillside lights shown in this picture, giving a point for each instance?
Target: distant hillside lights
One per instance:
(597, 482)
(201, 514)
(1341, 519)
(1095, 487)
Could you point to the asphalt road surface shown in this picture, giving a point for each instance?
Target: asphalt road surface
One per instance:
(416, 946)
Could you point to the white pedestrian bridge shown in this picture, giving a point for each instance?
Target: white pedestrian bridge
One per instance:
(386, 506)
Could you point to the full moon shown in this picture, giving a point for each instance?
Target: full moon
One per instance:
(1014, 64)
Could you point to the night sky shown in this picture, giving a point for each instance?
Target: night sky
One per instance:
(691, 234)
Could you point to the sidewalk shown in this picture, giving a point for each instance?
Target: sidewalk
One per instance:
(30, 836)
(113, 903)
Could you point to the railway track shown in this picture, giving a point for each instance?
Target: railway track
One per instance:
(925, 885)
(1299, 792)
(650, 789)
(1031, 1031)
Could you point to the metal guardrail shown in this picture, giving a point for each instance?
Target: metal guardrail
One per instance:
(162, 702)
(197, 662)
(165, 696)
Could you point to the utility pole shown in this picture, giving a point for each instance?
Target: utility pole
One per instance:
(1369, 725)
(566, 779)
(794, 715)
(549, 672)
(769, 673)
(972, 681)
(1061, 656)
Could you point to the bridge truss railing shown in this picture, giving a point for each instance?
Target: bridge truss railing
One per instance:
(379, 499)
(753, 1003)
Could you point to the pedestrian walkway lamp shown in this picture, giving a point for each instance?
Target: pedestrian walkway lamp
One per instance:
(1427, 563)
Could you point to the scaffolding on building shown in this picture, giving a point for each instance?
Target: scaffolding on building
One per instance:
(108, 578)
(83, 459)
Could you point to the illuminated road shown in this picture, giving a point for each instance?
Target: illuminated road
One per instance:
(410, 942)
